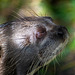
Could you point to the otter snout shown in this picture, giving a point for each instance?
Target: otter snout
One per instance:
(60, 32)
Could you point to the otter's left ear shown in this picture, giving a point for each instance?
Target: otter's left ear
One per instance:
(48, 18)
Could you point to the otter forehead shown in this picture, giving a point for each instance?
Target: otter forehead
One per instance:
(34, 20)
(29, 22)
(29, 27)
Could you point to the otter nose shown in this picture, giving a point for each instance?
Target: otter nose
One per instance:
(61, 31)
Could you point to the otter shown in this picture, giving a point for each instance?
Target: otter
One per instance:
(30, 43)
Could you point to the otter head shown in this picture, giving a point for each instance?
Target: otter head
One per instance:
(33, 42)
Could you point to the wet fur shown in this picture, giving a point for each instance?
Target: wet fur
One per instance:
(22, 53)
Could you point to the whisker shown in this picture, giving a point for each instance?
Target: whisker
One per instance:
(57, 60)
(46, 69)
(31, 13)
(30, 67)
(34, 12)
(18, 15)
(11, 67)
(54, 68)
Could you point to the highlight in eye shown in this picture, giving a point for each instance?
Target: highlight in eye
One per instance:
(41, 32)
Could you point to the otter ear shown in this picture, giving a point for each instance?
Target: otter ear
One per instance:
(48, 18)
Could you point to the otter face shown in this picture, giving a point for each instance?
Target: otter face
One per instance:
(33, 42)
(50, 39)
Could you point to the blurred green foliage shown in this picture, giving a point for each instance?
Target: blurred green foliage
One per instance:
(7, 7)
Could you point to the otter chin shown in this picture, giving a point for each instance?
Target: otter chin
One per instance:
(30, 43)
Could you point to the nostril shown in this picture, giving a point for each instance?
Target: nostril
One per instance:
(61, 31)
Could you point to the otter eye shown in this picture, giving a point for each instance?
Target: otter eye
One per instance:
(41, 32)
